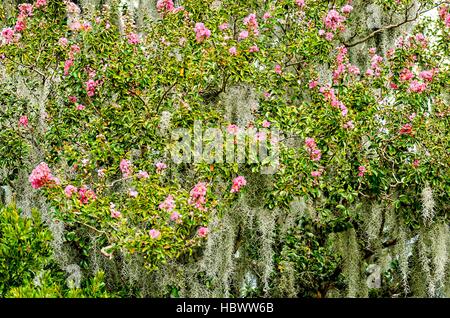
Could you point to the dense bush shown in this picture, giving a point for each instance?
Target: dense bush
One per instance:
(110, 96)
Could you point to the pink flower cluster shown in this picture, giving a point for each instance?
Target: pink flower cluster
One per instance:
(375, 68)
(142, 174)
(417, 87)
(8, 35)
(334, 20)
(114, 212)
(70, 190)
(331, 97)
(201, 32)
(197, 196)
(85, 195)
(342, 67)
(406, 129)
(300, 3)
(40, 3)
(444, 14)
(160, 167)
(23, 121)
(252, 24)
(238, 183)
(165, 6)
(311, 148)
(91, 85)
(361, 171)
(67, 65)
(41, 176)
(202, 231)
(26, 9)
(133, 38)
(168, 204)
(125, 167)
(154, 234)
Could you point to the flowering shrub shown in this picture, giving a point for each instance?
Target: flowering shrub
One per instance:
(101, 130)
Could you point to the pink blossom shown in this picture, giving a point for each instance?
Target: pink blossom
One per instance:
(313, 84)
(312, 149)
(40, 3)
(80, 107)
(347, 9)
(40, 176)
(278, 69)
(86, 194)
(201, 32)
(412, 116)
(300, 3)
(267, 95)
(349, 125)
(142, 174)
(316, 174)
(223, 26)
(154, 234)
(26, 9)
(322, 32)
(238, 183)
(266, 16)
(133, 193)
(125, 167)
(168, 204)
(67, 65)
(362, 171)
(165, 6)
(133, 38)
(86, 26)
(233, 129)
(74, 49)
(20, 25)
(233, 51)
(160, 166)
(197, 196)
(266, 124)
(443, 12)
(90, 87)
(175, 216)
(252, 23)
(202, 232)
(353, 69)
(406, 129)
(243, 35)
(416, 163)
(310, 143)
(114, 212)
(63, 41)
(75, 26)
(370, 72)
(8, 35)
(73, 99)
(333, 20)
(406, 75)
(329, 36)
(417, 87)
(253, 49)
(23, 121)
(70, 190)
(426, 75)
